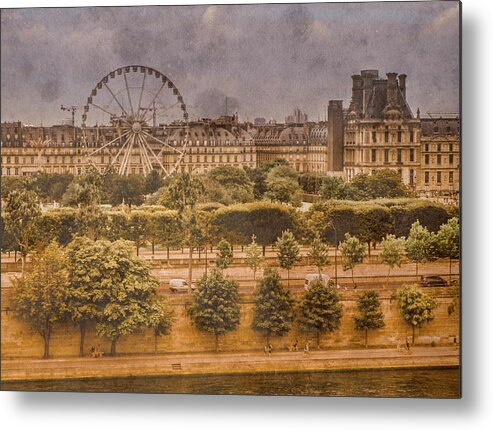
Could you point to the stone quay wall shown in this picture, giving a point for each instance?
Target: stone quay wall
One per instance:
(19, 340)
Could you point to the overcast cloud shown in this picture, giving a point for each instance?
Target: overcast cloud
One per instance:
(267, 58)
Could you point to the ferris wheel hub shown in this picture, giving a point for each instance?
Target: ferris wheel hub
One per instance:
(136, 127)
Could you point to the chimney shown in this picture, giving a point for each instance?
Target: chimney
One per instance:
(368, 77)
(335, 137)
(357, 94)
(392, 89)
(402, 84)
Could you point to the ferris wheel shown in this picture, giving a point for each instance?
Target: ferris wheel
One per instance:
(122, 117)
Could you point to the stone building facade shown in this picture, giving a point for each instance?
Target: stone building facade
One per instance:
(377, 131)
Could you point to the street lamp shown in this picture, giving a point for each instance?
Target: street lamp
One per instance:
(331, 224)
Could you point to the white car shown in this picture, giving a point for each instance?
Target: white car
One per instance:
(311, 277)
(179, 286)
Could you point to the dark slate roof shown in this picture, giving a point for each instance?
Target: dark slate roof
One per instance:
(378, 100)
(439, 126)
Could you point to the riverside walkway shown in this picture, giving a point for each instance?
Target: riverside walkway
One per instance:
(227, 363)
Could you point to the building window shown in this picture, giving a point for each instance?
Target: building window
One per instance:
(451, 177)
(411, 177)
(399, 155)
(386, 137)
(373, 155)
(411, 135)
(411, 155)
(439, 147)
(399, 136)
(439, 159)
(427, 177)
(386, 156)
(374, 136)
(427, 158)
(427, 147)
(451, 159)
(451, 147)
(439, 177)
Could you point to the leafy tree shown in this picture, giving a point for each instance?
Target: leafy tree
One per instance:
(370, 314)
(40, 295)
(274, 306)
(88, 263)
(160, 320)
(234, 182)
(215, 307)
(167, 228)
(128, 298)
(375, 223)
(384, 183)
(448, 241)
(283, 189)
(416, 307)
(311, 182)
(22, 213)
(288, 251)
(319, 253)
(90, 217)
(224, 255)
(353, 253)
(258, 177)
(393, 251)
(321, 310)
(152, 182)
(127, 190)
(418, 244)
(138, 228)
(254, 256)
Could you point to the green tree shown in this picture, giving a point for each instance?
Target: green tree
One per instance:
(448, 242)
(215, 307)
(418, 244)
(416, 307)
(22, 213)
(128, 297)
(319, 253)
(160, 320)
(274, 306)
(254, 256)
(127, 190)
(384, 183)
(88, 263)
(370, 315)
(283, 189)
(40, 295)
(353, 253)
(88, 197)
(224, 255)
(152, 182)
(138, 228)
(321, 310)
(288, 251)
(393, 251)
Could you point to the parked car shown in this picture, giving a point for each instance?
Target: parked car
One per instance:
(311, 277)
(179, 286)
(433, 281)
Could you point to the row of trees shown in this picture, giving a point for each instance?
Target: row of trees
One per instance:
(274, 181)
(101, 283)
(97, 282)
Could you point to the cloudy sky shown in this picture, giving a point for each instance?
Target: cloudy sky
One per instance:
(267, 59)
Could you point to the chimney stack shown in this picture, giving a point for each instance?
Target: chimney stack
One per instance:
(357, 94)
(368, 77)
(392, 89)
(335, 137)
(402, 84)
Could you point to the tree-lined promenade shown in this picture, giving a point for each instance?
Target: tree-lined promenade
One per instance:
(86, 266)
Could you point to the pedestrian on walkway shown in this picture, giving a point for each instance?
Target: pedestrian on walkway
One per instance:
(408, 345)
(270, 348)
(295, 345)
(398, 344)
(306, 350)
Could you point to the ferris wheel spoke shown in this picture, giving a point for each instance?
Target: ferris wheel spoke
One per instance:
(141, 92)
(146, 155)
(109, 143)
(152, 102)
(111, 114)
(160, 141)
(154, 155)
(113, 95)
(119, 151)
(128, 94)
(126, 156)
(143, 161)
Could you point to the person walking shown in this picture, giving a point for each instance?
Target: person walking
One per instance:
(306, 350)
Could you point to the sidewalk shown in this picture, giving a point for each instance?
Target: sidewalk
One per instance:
(227, 363)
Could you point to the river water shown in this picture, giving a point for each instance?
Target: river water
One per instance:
(428, 383)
